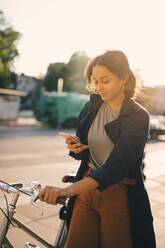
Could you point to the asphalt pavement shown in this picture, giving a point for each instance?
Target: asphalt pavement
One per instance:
(35, 152)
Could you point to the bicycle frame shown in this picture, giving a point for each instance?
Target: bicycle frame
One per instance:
(5, 221)
(60, 238)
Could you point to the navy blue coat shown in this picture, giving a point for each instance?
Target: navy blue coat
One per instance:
(129, 134)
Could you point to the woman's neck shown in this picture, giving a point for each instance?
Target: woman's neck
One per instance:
(117, 103)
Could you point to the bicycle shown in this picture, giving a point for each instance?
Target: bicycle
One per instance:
(16, 189)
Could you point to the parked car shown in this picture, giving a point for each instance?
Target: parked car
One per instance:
(157, 126)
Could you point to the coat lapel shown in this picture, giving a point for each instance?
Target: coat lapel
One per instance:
(86, 121)
(85, 124)
(113, 129)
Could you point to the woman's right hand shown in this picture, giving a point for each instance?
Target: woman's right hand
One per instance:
(74, 145)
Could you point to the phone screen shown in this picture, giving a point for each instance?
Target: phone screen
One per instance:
(68, 135)
(65, 135)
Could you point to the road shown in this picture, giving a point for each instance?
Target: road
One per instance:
(36, 150)
(29, 153)
(33, 153)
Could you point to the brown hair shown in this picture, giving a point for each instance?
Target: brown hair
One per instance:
(117, 62)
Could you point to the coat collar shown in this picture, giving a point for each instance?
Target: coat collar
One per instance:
(112, 128)
(127, 108)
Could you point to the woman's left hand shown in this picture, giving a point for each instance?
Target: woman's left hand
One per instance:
(50, 194)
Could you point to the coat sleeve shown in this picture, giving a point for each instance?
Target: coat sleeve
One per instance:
(79, 156)
(123, 160)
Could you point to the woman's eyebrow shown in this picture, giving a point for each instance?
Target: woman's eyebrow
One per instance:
(101, 77)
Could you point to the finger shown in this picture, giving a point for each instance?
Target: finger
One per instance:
(51, 197)
(41, 194)
(45, 196)
(84, 147)
(72, 139)
(77, 145)
(74, 146)
(76, 138)
(68, 140)
(80, 149)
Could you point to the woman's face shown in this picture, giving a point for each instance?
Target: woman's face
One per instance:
(107, 84)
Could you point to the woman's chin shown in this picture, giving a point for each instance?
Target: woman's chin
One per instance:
(103, 97)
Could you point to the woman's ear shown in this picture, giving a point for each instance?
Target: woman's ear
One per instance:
(125, 78)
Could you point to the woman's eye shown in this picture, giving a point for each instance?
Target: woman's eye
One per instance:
(105, 81)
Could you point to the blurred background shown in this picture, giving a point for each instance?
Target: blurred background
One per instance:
(44, 47)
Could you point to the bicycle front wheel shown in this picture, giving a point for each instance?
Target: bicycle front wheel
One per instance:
(7, 244)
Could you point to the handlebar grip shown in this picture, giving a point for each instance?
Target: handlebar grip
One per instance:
(68, 178)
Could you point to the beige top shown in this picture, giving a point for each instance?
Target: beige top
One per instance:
(100, 145)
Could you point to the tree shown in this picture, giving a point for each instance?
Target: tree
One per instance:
(72, 74)
(8, 51)
(54, 72)
(75, 72)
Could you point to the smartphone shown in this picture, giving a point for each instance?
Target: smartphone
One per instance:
(67, 135)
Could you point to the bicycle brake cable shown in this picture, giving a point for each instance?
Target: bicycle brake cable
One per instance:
(7, 207)
(7, 204)
(15, 188)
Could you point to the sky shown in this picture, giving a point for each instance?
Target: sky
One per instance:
(52, 30)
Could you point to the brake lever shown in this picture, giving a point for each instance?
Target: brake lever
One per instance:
(36, 187)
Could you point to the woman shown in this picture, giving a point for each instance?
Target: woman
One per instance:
(109, 206)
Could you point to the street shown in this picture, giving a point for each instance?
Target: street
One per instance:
(38, 153)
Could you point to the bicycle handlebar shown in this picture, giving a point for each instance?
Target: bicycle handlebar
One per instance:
(31, 190)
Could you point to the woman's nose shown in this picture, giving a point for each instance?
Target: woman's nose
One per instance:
(100, 86)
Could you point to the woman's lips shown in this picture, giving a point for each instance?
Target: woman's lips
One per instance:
(103, 94)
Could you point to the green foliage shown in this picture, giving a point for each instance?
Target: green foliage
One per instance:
(8, 52)
(75, 69)
(72, 74)
(54, 72)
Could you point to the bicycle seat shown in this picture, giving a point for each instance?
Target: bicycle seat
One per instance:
(69, 178)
